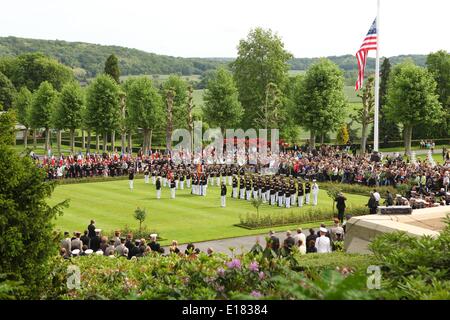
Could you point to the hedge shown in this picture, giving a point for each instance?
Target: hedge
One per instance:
(255, 221)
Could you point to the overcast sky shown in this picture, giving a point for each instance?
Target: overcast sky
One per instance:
(213, 28)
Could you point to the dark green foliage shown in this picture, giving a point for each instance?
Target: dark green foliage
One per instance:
(262, 53)
(26, 241)
(102, 112)
(88, 60)
(43, 105)
(414, 268)
(31, 69)
(7, 127)
(22, 105)
(112, 67)
(222, 107)
(7, 92)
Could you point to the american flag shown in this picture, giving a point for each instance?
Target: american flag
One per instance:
(369, 43)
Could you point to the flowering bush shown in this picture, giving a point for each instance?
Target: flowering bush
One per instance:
(249, 276)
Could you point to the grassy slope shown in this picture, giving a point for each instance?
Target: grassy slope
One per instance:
(186, 218)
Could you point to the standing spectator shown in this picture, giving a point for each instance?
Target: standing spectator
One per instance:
(300, 236)
(117, 238)
(311, 247)
(312, 236)
(389, 199)
(289, 242)
(77, 243)
(91, 229)
(95, 241)
(340, 205)
(302, 247)
(110, 249)
(275, 241)
(323, 243)
(120, 249)
(85, 239)
(372, 204)
(66, 243)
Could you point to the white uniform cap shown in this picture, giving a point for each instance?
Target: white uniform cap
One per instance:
(153, 235)
(76, 251)
(99, 252)
(322, 229)
(98, 230)
(89, 251)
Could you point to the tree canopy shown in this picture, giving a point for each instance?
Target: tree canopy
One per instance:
(112, 67)
(261, 60)
(320, 103)
(7, 92)
(222, 107)
(412, 99)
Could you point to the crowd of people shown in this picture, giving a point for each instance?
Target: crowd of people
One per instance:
(92, 242)
(290, 173)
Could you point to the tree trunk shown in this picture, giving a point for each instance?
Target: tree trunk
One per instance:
(97, 142)
(58, 140)
(144, 140)
(88, 149)
(72, 140)
(124, 137)
(312, 139)
(322, 138)
(34, 139)
(407, 131)
(363, 139)
(113, 140)
(83, 140)
(47, 140)
(105, 142)
(25, 138)
(150, 139)
(169, 100)
(130, 143)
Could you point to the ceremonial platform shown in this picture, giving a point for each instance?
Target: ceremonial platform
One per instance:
(360, 231)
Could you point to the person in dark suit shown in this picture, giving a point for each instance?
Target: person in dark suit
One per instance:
(95, 241)
(91, 229)
(158, 188)
(223, 194)
(372, 204)
(289, 242)
(155, 246)
(340, 205)
(134, 251)
(275, 242)
(85, 238)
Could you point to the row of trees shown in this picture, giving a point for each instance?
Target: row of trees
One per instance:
(256, 91)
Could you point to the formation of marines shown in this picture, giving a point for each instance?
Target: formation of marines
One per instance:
(276, 190)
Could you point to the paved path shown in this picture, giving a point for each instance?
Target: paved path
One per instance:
(239, 243)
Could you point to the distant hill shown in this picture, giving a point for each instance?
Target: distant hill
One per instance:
(88, 59)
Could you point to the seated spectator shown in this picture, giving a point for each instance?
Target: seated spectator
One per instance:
(323, 243)
(153, 244)
(289, 242)
(110, 249)
(174, 247)
(311, 248)
(189, 249)
(301, 247)
(85, 239)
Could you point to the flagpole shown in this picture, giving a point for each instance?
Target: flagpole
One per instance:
(377, 83)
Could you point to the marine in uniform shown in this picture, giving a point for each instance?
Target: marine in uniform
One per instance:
(307, 191)
(223, 194)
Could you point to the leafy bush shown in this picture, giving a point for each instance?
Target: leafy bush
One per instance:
(358, 188)
(414, 268)
(143, 233)
(203, 277)
(255, 221)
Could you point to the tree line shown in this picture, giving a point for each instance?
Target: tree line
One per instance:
(253, 91)
(87, 60)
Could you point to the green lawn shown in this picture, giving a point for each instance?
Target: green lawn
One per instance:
(186, 218)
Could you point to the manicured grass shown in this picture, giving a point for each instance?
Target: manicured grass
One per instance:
(186, 218)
